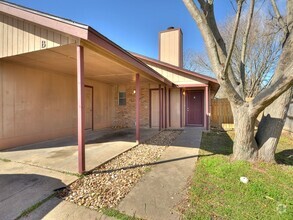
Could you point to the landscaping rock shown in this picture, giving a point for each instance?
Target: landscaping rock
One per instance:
(109, 183)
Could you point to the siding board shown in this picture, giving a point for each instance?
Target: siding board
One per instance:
(1, 34)
(20, 39)
(5, 34)
(1, 102)
(41, 104)
(19, 36)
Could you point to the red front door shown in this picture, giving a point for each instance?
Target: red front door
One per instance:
(194, 108)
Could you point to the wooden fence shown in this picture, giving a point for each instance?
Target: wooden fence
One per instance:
(222, 117)
(221, 114)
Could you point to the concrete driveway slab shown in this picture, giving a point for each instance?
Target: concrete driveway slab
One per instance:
(61, 154)
(22, 186)
(62, 210)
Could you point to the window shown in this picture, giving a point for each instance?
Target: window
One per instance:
(122, 98)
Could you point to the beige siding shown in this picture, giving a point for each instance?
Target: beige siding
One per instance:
(171, 47)
(175, 108)
(177, 78)
(155, 108)
(19, 36)
(1, 101)
(38, 105)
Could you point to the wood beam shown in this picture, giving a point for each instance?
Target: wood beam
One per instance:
(206, 118)
(181, 107)
(137, 107)
(160, 107)
(80, 108)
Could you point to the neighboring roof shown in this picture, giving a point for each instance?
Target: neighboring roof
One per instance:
(168, 66)
(78, 30)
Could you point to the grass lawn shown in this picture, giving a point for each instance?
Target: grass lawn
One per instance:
(217, 193)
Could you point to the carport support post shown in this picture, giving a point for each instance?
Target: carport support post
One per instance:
(181, 107)
(206, 118)
(165, 109)
(160, 107)
(80, 108)
(137, 107)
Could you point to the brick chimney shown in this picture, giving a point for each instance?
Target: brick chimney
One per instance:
(170, 46)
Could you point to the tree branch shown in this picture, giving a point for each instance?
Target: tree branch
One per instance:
(206, 33)
(279, 17)
(207, 7)
(237, 19)
(282, 23)
(290, 15)
(271, 93)
(215, 52)
(244, 44)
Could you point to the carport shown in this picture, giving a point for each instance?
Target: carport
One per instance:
(85, 58)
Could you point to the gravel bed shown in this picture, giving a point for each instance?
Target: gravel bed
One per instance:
(111, 182)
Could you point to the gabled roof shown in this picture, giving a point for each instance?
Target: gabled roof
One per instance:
(212, 81)
(78, 30)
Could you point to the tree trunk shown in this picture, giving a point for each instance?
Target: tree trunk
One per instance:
(245, 146)
(271, 126)
(272, 122)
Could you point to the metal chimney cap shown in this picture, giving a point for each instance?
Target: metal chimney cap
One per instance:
(170, 28)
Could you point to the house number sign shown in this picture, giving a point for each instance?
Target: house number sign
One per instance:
(43, 44)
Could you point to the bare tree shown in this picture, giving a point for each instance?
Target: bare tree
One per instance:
(245, 111)
(197, 62)
(263, 47)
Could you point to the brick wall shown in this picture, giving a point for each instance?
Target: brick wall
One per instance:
(125, 114)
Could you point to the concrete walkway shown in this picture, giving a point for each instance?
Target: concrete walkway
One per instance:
(160, 190)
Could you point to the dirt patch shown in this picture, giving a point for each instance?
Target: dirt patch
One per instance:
(108, 184)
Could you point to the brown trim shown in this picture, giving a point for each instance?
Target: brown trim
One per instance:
(206, 103)
(104, 42)
(165, 90)
(150, 108)
(169, 107)
(160, 107)
(137, 107)
(209, 119)
(181, 107)
(92, 106)
(80, 108)
(50, 21)
(192, 85)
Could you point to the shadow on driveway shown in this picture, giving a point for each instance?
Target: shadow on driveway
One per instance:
(18, 192)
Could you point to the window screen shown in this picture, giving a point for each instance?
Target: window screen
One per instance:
(122, 98)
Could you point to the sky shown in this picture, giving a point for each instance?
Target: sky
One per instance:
(132, 24)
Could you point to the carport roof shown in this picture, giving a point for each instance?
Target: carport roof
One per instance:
(84, 32)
